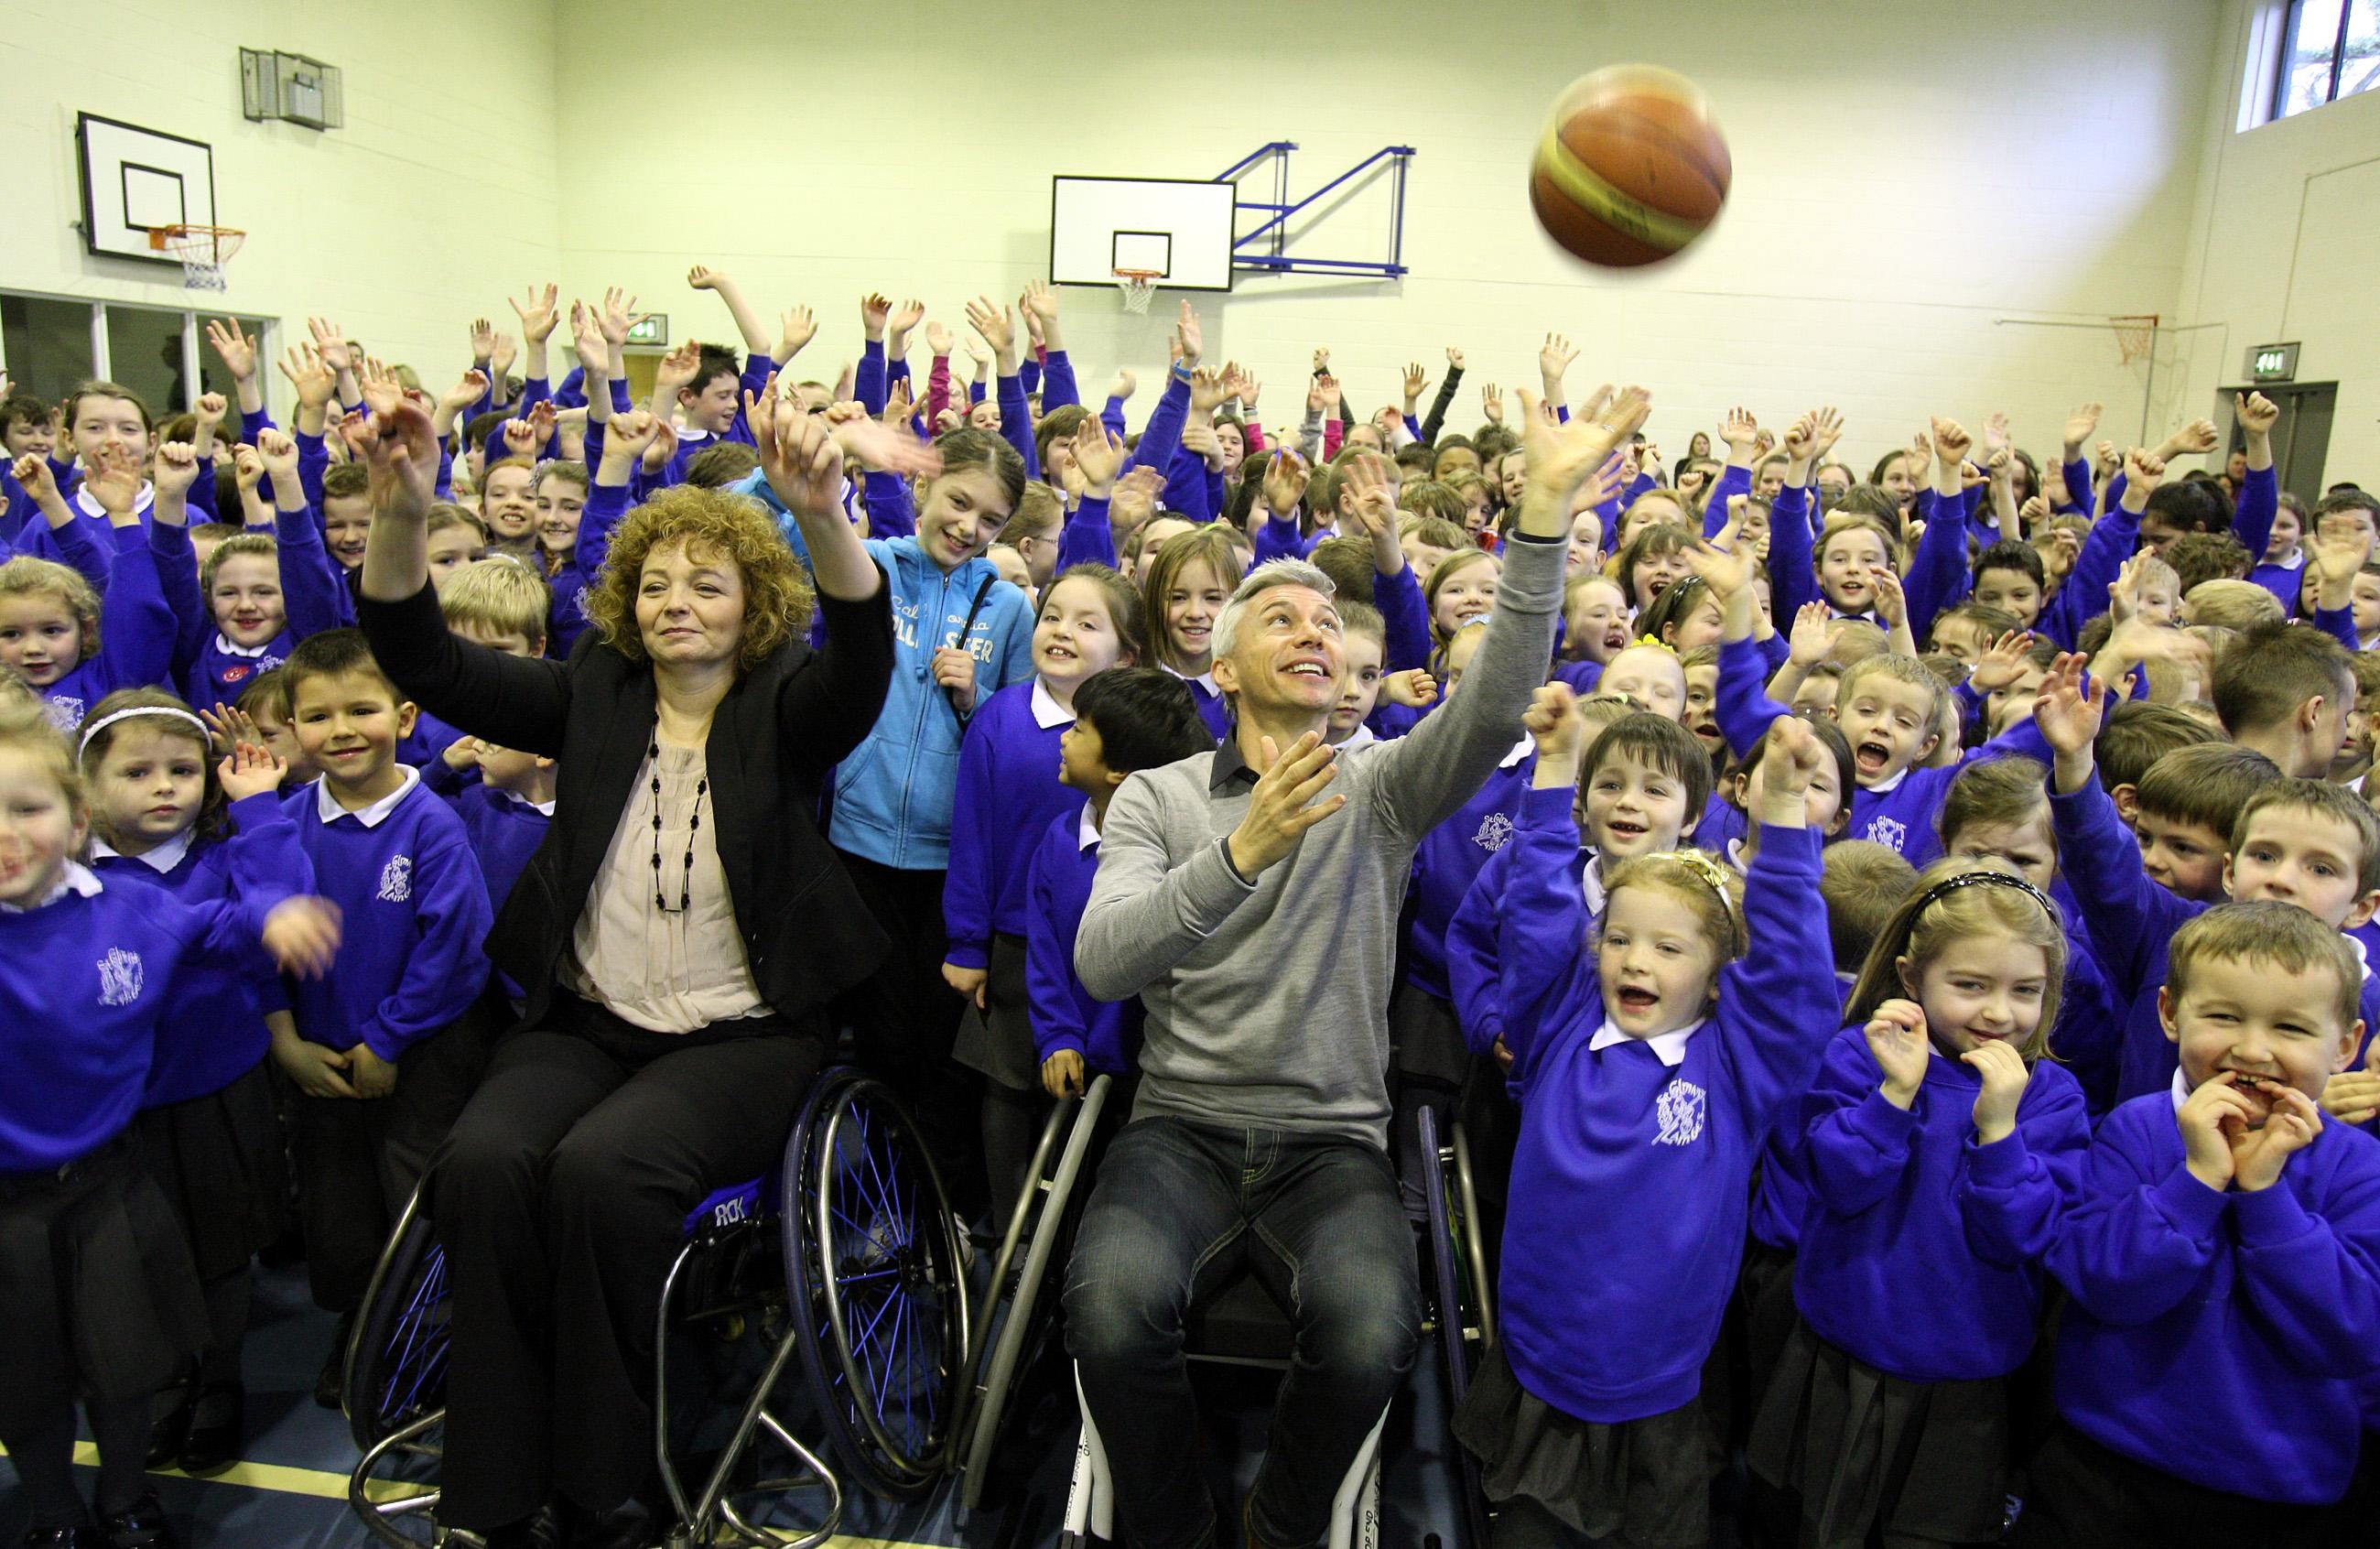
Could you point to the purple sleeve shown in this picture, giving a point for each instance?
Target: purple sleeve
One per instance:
(2077, 475)
(572, 394)
(178, 582)
(1028, 372)
(1058, 386)
(1857, 1144)
(1731, 481)
(1399, 599)
(2113, 501)
(2340, 624)
(868, 381)
(2131, 919)
(891, 511)
(1051, 1003)
(1016, 424)
(2013, 1194)
(606, 504)
(621, 401)
(2252, 519)
(1471, 956)
(1413, 428)
(1087, 538)
(136, 630)
(1937, 576)
(1111, 415)
(77, 548)
(1792, 580)
(2135, 1245)
(1544, 985)
(1278, 538)
(445, 471)
(314, 461)
(1186, 489)
(252, 423)
(2305, 1280)
(968, 886)
(1161, 437)
(2084, 595)
(311, 587)
(1744, 709)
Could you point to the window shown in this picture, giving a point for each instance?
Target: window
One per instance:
(2329, 49)
(49, 344)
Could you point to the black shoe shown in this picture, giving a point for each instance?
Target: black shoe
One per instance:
(216, 1429)
(541, 1530)
(169, 1423)
(141, 1525)
(627, 1526)
(331, 1385)
(64, 1538)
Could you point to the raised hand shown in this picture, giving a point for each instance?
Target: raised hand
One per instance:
(247, 468)
(502, 361)
(1896, 1036)
(629, 434)
(904, 320)
(1135, 500)
(2342, 544)
(279, 452)
(114, 480)
(676, 370)
(2002, 662)
(2005, 1075)
(1416, 382)
(331, 345)
(1560, 457)
(250, 769)
(998, 333)
(1553, 722)
(1282, 806)
(2257, 414)
(1996, 432)
(176, 469)
(2144, 471)
(1286, 476)
(310, 375)
(536, 313)
(400, 453)
(1039, 301)
(1125, 384)
(2195, 437)
(937, 341)
(2081, 421)
(1740, 430)
(483, 341)
(1491, 403)
(1413, 688)
(465, 392)
(32, 470)
(620, 315)
(1553, 360)
(1187, 333)
(1331, 392)
(1726, 573)
(874, 308)
(235, 347)
(1097, 456)
(798, 456)
(2066, 712)
(520, 439)
(1206, 391)
(1453, 358)
(1813, 635)
(1365, 483)
(1950, 443)
(1828, 426)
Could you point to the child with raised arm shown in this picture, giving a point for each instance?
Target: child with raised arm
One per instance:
(1649, 1070)
(99, 1303)
(2224, 1262)
(163, 816)
(71, 646)
(1940, 1150)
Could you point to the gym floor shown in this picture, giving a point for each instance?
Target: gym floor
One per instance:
(290, 1491)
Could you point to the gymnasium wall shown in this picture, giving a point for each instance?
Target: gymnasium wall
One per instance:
(444, 173)
(2285, 244)
(1907, 181)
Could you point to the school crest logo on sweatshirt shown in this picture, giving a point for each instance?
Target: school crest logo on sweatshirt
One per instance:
(1494, 831)
(65, 712)
(119, 976)
(1888, 832)
(1679, 1108)
(396, 880)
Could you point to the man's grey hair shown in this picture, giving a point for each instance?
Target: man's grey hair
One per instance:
(1263, 579)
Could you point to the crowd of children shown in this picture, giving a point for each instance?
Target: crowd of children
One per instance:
(1909, 975)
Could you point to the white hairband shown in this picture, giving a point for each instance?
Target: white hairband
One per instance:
(106, 721)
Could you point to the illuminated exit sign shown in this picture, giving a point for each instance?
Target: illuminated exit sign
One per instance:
(653, 328)
(2273, 363)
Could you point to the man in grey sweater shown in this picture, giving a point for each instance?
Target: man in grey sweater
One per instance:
(1250, 898)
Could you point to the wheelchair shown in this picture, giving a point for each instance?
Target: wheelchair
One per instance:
(1239, 1325)
(847, 1261)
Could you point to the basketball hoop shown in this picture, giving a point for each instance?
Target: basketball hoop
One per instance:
(203, 251)
(2136, 335)
(1140, 288)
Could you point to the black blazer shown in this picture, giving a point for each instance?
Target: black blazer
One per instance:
(776, 735)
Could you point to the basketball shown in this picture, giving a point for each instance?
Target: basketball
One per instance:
(1632, 167)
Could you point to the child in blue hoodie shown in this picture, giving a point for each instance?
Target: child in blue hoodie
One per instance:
(960, 634)
(2224, 1261)
(1941, 1152)
(1649, 1071)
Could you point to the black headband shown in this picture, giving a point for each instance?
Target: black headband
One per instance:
(1985, 877)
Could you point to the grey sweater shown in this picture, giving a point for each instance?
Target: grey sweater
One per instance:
(1268, 1005)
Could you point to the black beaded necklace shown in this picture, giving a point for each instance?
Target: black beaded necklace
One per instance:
(694, 822)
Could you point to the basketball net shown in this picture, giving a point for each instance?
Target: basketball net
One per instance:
(203, 249)
(2136, 335)
(1140, 288)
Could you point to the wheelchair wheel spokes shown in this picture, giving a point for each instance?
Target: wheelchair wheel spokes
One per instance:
(396, 1364)
(874, 1269)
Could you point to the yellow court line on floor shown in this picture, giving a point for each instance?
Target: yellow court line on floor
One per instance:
(324, 1484)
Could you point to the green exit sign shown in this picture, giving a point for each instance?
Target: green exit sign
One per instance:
(653, 328)
(2273, 363)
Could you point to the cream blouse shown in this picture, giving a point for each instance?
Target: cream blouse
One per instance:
(676, 971)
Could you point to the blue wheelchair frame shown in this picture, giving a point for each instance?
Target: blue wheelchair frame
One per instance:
(872, 1301)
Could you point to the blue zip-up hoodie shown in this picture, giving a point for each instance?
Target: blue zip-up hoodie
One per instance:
(1634, 1165)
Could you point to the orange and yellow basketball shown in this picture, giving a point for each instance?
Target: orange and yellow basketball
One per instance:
(1631, 166)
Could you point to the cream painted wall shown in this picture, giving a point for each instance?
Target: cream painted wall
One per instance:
(442, 175)
(2285, 244)
(1909, 185)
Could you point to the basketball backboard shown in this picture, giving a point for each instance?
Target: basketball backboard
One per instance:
(135, 178)
(1180, 230)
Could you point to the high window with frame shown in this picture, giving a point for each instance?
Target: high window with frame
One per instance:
(2329, 49)
(49, 344)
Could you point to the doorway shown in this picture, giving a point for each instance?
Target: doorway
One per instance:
(2301, 438)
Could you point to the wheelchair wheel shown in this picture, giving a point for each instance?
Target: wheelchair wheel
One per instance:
(1015, 1330)
(396, 1360)
(1457, 1289)
(874, 1267)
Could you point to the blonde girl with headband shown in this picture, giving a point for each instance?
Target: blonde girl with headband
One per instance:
(1940, 1149)
(165, 817)
(98, 1301)
(1650, 1065)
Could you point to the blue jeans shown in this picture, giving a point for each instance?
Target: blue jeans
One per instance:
(1177, 1209)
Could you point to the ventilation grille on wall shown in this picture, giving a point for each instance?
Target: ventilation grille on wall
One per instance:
(291, 87)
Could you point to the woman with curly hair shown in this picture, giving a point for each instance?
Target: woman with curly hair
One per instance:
(677, 934)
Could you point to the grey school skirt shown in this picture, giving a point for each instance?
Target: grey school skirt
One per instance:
(1868, 1450)
(998, 1041)
(97, 1295)
(1646, 1476)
